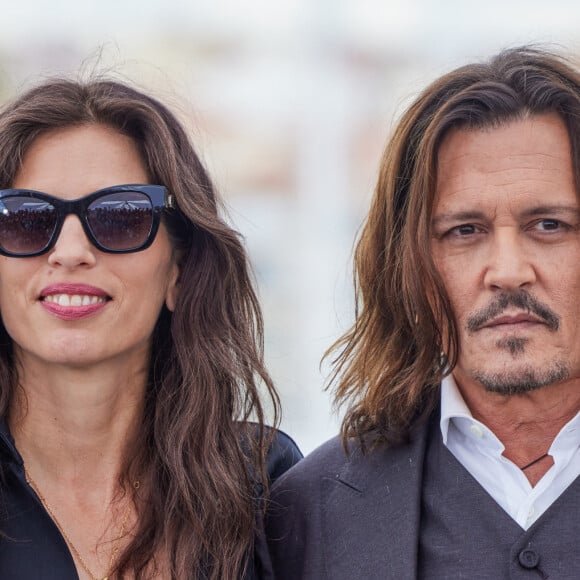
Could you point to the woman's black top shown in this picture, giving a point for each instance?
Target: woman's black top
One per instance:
(31, 545)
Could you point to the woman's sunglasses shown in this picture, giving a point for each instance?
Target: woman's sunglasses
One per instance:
(117, 220)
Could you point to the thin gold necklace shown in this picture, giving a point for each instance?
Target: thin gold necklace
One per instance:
(72, 547)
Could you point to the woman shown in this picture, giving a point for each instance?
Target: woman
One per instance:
(130, 358)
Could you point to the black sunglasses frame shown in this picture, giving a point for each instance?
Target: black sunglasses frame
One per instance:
(158, 195)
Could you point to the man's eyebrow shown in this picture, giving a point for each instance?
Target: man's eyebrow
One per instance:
(455, 217)
(552, 210)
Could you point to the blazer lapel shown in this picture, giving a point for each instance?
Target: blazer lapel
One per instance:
(371, 513)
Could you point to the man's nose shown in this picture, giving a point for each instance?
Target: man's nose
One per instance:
(72, 248)
(510, 261)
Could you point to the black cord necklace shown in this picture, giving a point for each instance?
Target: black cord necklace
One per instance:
(534, 461)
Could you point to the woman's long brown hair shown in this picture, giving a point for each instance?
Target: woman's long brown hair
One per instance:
(388, 366)
(201, 466)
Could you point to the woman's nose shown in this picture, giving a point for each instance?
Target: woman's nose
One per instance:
(72, 248)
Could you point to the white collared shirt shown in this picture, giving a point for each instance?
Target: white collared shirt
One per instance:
(480, 452)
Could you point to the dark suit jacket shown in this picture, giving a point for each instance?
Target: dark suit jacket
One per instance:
(335, 517)
(282, 455)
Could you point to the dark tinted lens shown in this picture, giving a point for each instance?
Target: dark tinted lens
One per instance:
(121, 221)
(26, 224)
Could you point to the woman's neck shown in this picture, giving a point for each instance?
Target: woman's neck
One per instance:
(74, 425)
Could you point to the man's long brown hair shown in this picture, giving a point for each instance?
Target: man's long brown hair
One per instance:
(390, 363)
(200, 465)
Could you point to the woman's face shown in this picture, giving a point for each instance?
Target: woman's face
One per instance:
(120, 295)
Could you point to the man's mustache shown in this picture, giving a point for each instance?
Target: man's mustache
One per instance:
(519, 299)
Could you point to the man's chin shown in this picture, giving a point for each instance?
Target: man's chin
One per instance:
(522, 379)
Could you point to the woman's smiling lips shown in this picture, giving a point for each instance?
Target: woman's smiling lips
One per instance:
(73, 301)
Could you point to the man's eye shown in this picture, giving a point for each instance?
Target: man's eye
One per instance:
(463, 230)
(547, 225)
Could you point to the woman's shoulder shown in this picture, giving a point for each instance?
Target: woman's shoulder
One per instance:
(282, 454)
(323, 462)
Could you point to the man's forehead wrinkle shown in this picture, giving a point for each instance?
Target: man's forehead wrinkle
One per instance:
(538, 189)
(473, 178)
(527, 162)
(531, 186)
(497, 163)
(511, 176)
(540, 154)
(453, 153)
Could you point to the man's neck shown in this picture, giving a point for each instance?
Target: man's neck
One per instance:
(526, 424)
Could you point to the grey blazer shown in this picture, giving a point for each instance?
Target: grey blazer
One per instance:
(335, 517)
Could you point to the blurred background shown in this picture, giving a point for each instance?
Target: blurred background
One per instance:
(290, 103)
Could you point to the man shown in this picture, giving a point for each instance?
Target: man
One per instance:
(459, 455)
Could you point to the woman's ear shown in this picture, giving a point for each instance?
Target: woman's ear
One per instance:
(172, 288)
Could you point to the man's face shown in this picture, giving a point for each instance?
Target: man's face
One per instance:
(506, 242)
